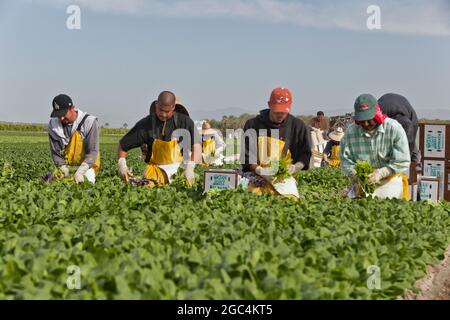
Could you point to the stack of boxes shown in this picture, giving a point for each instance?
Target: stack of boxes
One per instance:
(434, 144)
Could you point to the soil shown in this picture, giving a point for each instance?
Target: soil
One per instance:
(435, 285)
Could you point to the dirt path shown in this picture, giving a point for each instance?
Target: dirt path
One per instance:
(436, 284)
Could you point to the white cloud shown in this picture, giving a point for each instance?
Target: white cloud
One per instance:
(415, 17)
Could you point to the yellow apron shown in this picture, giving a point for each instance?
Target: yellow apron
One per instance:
(164, 153)
(75, 152)
(334, 158)
(270, 149)
(208, 148)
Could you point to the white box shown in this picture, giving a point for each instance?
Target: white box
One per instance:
(434, 141)
(433, 168)
(429, 189)
(413, 191)
(220, 179)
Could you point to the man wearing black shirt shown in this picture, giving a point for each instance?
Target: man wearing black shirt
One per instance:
(292, 141)
(164, 131)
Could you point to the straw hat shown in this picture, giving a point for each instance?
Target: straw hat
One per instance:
(337, 134)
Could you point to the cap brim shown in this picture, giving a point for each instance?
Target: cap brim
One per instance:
(280, 108)
(365, 115)
(58, 113)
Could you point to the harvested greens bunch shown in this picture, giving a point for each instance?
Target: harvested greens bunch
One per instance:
(282, 172)
(363, 183)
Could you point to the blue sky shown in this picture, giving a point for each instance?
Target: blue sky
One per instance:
(220, 57)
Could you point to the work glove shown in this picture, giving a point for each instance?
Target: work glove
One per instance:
(265, 173)
(295, 168)
(81, 171)
(124, 172)
(64, 171)
(189, 172)
(379, 174)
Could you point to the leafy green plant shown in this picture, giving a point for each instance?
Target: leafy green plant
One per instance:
(365, 186)
(282, 169)
(176, 243)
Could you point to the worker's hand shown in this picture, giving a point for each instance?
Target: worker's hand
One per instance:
(379, 174)
(64, 171)
(79, 174)
(124, 172)
(189, 172)
(325, 158)
(295, 168)
(265, 173)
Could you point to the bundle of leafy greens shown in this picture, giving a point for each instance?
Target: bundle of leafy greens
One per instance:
(282, 173)
(365, 187)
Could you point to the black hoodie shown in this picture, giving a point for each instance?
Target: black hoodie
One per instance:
(293, 132)
(398, 107)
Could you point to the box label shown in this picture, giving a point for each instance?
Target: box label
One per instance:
(434, 141)
(220, 180)
(429, 190)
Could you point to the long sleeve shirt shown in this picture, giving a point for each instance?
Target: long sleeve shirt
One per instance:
(91, 140)
(386, 146)
(294, 132)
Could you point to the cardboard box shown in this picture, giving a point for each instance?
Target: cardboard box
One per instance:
(434, 139)
(220, 179)
(435, 168)
(430, 188)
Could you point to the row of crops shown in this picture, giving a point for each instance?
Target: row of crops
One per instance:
(177, 243)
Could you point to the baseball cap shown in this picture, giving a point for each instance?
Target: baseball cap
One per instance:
(61, 103)
(365, 107)
(280, 100)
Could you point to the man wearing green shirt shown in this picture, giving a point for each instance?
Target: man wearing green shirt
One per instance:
(383, 143)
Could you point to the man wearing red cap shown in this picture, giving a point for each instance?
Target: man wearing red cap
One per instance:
(276, 126)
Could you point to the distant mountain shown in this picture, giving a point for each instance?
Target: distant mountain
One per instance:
(432, 113)
(218, 114)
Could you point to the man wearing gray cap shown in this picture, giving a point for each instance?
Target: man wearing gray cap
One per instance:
(74, 140)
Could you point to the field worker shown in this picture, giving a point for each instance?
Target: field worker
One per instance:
(74, 140)
(164, 154)
(179, 108)
(292, 144)
(398, 107)
(320, 122)
(331, 151)
(212, 145)
(382, 142)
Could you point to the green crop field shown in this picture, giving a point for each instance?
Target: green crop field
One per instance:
(176, 243)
